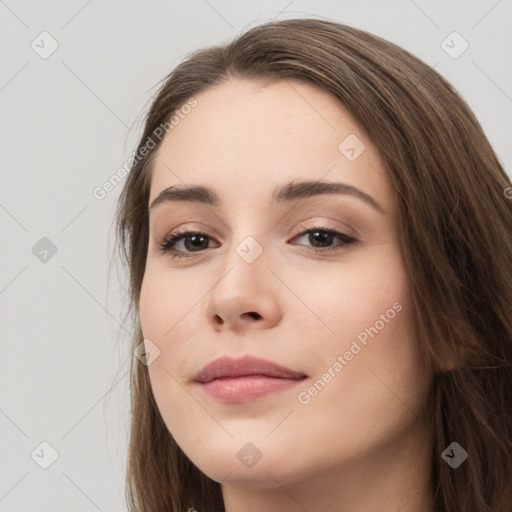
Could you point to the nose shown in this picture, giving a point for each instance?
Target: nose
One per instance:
(245, 295)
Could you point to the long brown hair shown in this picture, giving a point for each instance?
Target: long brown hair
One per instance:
(455, 222)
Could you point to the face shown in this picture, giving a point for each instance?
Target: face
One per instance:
(309, 278)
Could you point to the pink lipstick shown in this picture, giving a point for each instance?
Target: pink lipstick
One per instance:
(245, 379)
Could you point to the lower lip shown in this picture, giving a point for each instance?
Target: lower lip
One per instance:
(246, 389)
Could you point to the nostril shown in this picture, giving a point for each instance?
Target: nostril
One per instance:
(253, 314)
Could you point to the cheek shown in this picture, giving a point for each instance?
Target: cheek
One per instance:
(371, 371)
(161, 303)
(168, 317)
(163, 316)
(341, 300)
(365, 394)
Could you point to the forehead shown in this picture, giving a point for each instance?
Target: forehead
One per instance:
(246, 137)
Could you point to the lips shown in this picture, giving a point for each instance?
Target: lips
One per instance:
(245, 379)
(231, 368)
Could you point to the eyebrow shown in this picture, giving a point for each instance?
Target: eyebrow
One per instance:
(285, 193)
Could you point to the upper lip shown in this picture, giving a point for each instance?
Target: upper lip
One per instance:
(228, 367)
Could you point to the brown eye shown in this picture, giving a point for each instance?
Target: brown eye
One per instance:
(192, 241)
(322, 239)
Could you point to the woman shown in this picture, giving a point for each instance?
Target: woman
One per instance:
(319, 240)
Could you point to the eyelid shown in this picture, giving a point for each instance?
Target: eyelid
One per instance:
(325, 225)
(298, 230)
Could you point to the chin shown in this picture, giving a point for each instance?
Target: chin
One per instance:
(241, 462)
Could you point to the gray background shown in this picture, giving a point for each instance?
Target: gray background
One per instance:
(68, 122)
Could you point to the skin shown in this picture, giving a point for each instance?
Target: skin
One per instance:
(361, 442)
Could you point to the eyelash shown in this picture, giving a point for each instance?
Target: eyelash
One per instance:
(171, 239)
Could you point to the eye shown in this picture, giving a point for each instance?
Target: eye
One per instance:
(320, 237)
(194, 241)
